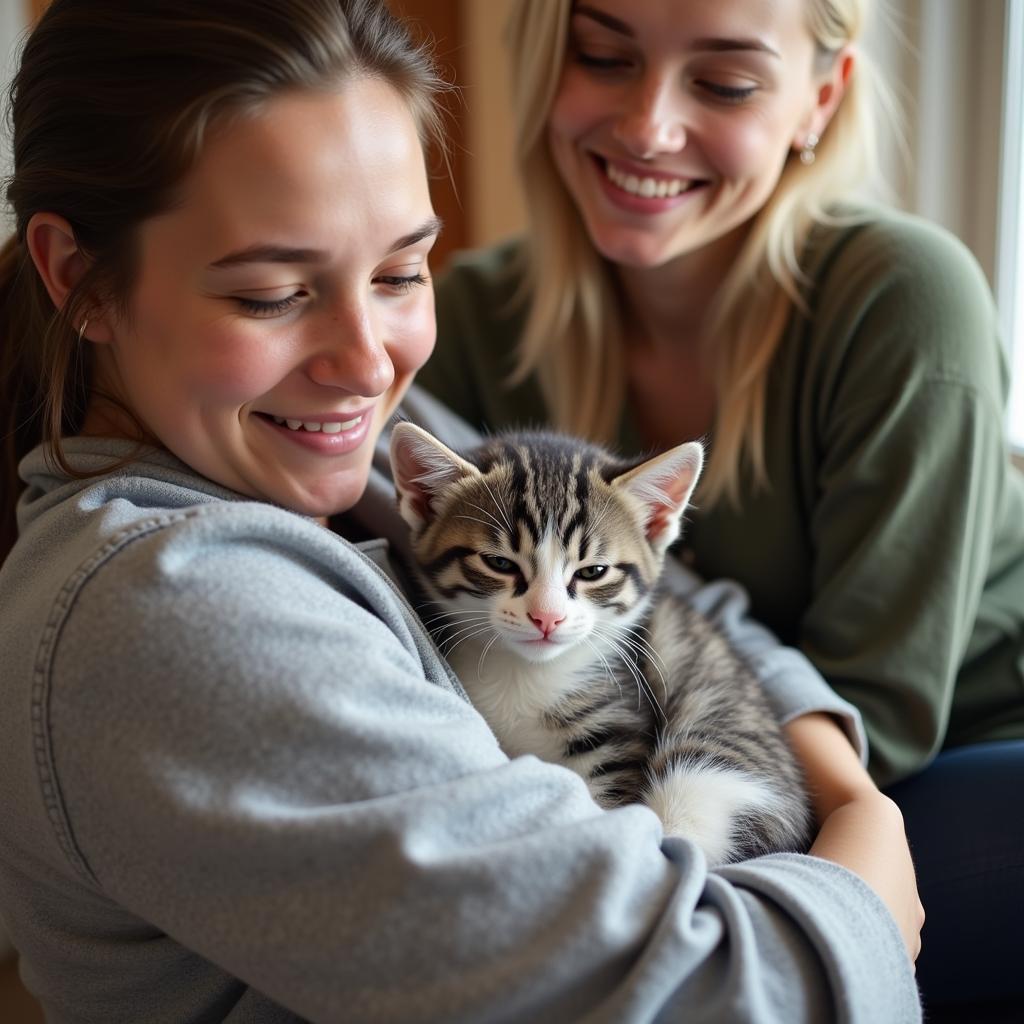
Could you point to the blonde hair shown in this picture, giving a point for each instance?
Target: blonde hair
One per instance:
(574, 338)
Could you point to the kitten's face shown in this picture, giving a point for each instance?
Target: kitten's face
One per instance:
(537, 542)
(543, 575)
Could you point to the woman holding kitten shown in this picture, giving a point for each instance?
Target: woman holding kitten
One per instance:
(239, 782)
(697, 265)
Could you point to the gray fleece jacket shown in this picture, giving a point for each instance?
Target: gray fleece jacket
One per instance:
(238, 783)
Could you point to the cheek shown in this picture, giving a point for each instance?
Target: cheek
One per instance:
(231, 365)
(743, 151)
(753, 145)
(413, 332)
(175, 346)
(577, 107)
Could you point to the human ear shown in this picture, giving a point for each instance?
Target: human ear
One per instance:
(60, 263)
(829, 90)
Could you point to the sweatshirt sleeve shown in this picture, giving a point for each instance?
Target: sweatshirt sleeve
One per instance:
(908, 482)
(264, 764)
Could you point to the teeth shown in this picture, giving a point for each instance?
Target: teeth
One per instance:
(333, 427)
(648, 188)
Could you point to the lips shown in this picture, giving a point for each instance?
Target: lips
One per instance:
(646, 184)
(315, 426)
(329, 434)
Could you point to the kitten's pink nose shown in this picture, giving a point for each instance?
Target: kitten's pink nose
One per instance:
(545, 621)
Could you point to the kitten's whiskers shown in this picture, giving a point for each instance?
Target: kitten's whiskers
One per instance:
(483, 654)
(487, 526)
(447, 632)
(628, 635)
(469, 635)
(604, 661)
(643, 688)
(596, 521)
(501, 508)
(460, 615)
(487, 512)
(465, 624)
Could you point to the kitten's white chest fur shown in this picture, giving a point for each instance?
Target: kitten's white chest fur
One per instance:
(513, 694)
(698, 801)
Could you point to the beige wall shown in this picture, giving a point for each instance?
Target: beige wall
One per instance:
(495, 201)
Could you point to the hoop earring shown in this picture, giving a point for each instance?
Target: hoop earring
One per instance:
(81, 330)
(807, 153)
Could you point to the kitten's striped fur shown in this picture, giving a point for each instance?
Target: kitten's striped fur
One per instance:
(542, 555)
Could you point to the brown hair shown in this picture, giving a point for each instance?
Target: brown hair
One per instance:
(108, 112)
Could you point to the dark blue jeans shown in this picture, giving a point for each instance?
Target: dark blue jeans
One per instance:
(965, 820)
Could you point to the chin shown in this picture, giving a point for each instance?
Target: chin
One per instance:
(638, 253)
(323, 506)
(537, 652)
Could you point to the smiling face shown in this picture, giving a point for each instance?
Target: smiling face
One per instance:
(282, 307)
(673, 118)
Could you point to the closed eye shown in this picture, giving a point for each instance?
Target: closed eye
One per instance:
(728, 93)
(273, 307)
(590, 572)
(401, 284)
(596, 63)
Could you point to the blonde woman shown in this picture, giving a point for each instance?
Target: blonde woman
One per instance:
(698, 265)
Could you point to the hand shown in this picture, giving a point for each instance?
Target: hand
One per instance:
(861, 828)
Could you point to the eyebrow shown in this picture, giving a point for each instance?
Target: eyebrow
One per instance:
(286, 254)
(711, 44)
(727, 45)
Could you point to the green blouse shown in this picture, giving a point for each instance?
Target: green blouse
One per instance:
(889, 547)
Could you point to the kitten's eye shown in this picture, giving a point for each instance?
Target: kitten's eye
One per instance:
(499, 564)
(591, 572)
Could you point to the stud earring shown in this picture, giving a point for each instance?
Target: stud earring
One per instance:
(807, 153)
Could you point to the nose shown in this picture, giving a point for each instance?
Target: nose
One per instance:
(546, 621)
(652, 119)
(353, 355)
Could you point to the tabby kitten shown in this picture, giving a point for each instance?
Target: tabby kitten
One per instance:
(542, 555)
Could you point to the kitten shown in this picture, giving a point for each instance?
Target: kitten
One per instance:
(542, 555)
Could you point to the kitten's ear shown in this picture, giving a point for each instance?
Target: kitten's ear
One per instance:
(422, 468)
(663, 485)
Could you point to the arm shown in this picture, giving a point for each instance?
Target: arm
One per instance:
(860, 827)
(907, 484)
(306, 804)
